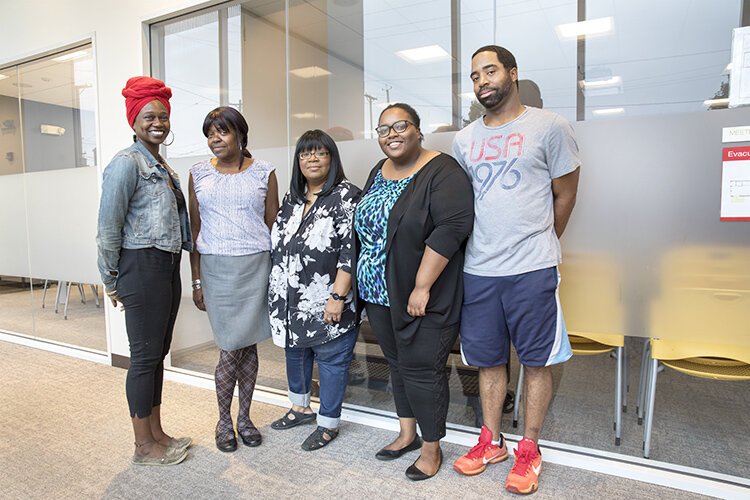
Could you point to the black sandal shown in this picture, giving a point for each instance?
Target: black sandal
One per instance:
(287, 423)
(317, 440)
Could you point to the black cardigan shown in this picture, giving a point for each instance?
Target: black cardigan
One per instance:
(436, 209)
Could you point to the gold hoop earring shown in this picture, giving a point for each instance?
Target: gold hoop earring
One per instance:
(172, 141)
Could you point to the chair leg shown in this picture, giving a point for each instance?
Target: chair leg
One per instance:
(67, 298)
(653, 372)
(642, 381)
(618, 396)
(519, 390)
(625, 376)
(95, 291)
(82, 292)
(44, 294)
(60, 285)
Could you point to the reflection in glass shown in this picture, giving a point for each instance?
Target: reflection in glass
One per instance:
(58, 101)
(546, 67)
(654, 61)
(11, 151)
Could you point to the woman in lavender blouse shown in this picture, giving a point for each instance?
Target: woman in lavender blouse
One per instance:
(233, 204)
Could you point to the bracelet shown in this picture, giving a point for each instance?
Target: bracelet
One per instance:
(336, 296)
(196, 284)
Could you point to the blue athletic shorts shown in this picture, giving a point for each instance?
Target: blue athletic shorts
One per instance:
(523, 309)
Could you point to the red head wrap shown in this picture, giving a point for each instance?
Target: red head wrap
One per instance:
(141, 90)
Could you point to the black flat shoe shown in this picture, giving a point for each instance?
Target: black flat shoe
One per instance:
(250, 436)
(226, 441)
(394, 454)
(415, 474)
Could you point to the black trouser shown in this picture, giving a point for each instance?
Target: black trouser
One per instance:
(418, 373)
(150, 289)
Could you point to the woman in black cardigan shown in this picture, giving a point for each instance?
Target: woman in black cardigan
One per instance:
(411, 226)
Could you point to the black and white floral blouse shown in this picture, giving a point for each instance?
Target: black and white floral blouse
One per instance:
(307, 252)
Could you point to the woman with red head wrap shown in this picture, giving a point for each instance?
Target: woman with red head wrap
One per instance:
(143, 227)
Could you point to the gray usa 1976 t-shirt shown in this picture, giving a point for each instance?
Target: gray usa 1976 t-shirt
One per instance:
(511, 169)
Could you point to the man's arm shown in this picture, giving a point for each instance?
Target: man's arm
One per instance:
(564, 192)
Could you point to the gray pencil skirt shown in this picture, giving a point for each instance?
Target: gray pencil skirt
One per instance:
(235, 291)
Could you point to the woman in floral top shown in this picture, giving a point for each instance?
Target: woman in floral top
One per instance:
(310, 300)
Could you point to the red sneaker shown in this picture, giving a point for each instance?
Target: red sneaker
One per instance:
(483, 453)
(523, 478)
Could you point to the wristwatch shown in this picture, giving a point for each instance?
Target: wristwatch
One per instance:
(336, 296)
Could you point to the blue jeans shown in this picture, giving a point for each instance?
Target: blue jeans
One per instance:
(333, 360)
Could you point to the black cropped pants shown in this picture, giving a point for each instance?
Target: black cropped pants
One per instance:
(418, 370)
(150, 288)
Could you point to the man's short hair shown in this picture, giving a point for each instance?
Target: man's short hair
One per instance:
(505, 56)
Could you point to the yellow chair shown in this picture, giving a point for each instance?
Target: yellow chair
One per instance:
(591, 304)
(701, 332)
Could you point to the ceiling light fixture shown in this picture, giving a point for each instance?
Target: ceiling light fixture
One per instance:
(310, 72)
(614, 81)
(423, 55)
(716, 103)
(600, 26)
(73, 55)
(304, 115)
(608, 111)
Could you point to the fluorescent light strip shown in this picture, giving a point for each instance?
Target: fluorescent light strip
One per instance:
(614, 81)
(3, 77)
(608, 111)
(304, 115)
(310, 72)
(421, 55)
(716, 102)
(73, 55)
(600, 26)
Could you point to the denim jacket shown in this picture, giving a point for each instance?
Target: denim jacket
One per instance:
(138, 210)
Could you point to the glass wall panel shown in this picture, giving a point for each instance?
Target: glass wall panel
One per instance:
(652, 60)
(407, 56)
(546, 67)
(49, 146)
(58, 99)
(192, 48)
(15, 286)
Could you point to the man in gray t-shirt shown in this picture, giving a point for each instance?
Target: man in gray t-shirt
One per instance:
(524, 167)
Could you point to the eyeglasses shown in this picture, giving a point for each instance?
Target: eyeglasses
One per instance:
(399, 126)
(306, 155)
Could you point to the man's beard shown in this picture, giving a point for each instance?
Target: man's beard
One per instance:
(497, 96)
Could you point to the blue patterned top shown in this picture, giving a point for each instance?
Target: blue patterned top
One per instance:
(371, 224)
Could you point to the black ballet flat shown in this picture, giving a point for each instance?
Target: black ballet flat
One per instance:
(250, 436)
(415, 474)
(226, 441)
(394, 454)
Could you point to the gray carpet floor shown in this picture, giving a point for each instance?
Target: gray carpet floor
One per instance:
(65, 433)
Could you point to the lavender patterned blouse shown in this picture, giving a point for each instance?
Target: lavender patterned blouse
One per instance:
(232, 208)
